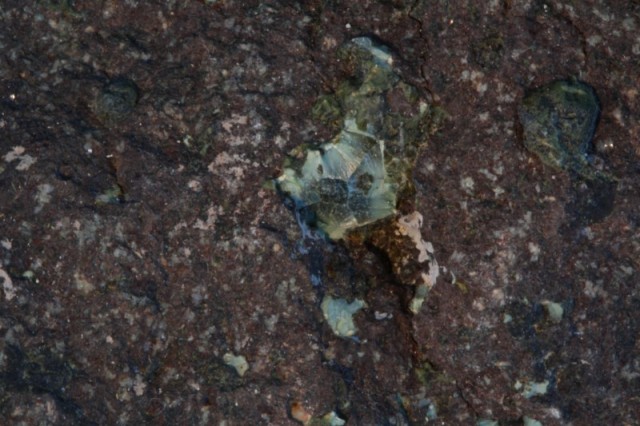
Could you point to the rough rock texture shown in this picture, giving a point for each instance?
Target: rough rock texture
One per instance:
(139, 243)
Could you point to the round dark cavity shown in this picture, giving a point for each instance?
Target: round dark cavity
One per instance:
(117, 99)
(558, 122)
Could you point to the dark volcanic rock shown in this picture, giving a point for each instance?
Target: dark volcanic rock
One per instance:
(143, 258)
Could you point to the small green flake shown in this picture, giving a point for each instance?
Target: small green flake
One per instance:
(528, 421)
(486, 422)
(330, 419)
(554, 310)
(418, 298)
(532, 389)
(238, 362)
(339, 314)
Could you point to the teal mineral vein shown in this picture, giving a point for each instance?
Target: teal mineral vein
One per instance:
(354, 179)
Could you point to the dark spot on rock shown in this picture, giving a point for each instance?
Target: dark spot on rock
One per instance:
(117, 100)
(488, 51)
(591, 202)
(64, 171)
(216, 373)
(523, 319)
(558, 123)
(364, 182)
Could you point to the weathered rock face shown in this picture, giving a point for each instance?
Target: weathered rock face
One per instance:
(148, 277)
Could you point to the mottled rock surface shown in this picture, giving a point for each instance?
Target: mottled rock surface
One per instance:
(141, 251)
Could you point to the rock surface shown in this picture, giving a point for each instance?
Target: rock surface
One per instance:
(139, 246)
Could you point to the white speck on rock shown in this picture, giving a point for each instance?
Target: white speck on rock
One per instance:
(497, 295)
(476, 78)
(534, 249)
(43, 196)
(7, 285)
(410, 225)
(14, 154)
(139, 386)
(602, 15)
(82, 283)
(210, 223)
(467, 184)
(238, 362)
(230, 168)
(382, 315)
(488, 175)
(594, 290)
(195, 185)
(24, 160)
(235, 119)
(594, 40)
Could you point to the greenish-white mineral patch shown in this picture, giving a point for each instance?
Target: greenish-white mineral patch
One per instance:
(554, 311)
(329, 419)
(531, 389)
(354, 179)
(418, 298)
(528, 421)
(238, 362)
(339, 315)
(486, 422)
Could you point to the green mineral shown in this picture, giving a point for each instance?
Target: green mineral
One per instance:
(558, 122)
(339, 314)
(354, 179)
(238, 362)
(554, 311)
(531, 389)
(329, 419)
(528, 421)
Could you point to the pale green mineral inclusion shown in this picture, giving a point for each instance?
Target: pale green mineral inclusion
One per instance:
(531, 389)
(329, 419)
(554, 310)
(339, 315)
(529, 421)
(353, 179)
(238, 362)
